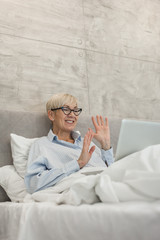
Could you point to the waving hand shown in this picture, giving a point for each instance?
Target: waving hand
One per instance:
(102, 132)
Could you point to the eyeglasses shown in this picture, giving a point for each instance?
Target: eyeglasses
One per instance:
(67, 110)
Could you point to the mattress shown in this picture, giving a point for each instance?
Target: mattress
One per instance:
(44, 220)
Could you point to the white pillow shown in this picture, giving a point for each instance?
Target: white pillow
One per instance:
(12, 183)
(20, 147)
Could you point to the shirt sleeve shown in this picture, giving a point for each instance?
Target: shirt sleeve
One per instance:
(40, 176)
(107, 156)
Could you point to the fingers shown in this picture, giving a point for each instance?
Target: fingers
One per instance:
(86, 154)
(91, 150)
(100, 121)
(87, 139)
(93, 133)
(106, 120)
(94, 122)
(87, 142)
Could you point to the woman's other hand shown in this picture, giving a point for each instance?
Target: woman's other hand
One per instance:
(102, 132)
(86, 152)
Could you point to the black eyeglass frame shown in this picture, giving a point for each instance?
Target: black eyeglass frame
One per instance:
(78, 110)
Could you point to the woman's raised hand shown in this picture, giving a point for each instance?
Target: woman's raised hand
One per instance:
(102, 132)
(86, 152)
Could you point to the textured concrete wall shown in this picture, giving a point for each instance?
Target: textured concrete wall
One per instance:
(105, 52)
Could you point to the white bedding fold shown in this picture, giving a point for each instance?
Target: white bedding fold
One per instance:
(136, 177)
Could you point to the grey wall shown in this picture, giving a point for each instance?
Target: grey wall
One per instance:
(105, 52)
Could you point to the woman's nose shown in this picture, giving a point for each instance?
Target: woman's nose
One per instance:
(71, 113)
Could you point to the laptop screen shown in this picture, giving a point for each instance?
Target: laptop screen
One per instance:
(136, 135)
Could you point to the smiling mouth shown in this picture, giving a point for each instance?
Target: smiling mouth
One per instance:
(69, 121)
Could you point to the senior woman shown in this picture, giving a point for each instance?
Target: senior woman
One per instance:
(63, 151)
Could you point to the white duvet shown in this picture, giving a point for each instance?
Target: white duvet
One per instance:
(135, 177)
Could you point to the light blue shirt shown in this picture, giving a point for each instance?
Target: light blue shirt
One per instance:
(51, 159)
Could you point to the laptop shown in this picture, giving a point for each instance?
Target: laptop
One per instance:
(136, 135)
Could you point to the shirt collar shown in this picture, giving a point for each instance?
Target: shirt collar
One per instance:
(75, 134)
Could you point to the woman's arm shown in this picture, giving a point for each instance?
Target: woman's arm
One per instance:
(40, 174)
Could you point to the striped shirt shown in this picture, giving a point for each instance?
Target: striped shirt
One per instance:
(51, 159)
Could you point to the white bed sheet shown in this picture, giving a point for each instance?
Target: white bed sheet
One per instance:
(39, 221)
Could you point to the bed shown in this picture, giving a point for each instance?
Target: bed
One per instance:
(26, 217)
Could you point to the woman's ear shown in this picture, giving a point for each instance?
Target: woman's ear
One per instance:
(51, 115)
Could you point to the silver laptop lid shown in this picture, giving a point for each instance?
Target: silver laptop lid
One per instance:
(136, 135)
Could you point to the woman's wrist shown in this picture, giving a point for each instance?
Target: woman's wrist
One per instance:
(105, 145)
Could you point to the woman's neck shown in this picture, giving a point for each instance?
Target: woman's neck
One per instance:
(65, 136)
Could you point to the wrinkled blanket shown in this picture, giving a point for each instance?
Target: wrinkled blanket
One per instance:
(135, 177)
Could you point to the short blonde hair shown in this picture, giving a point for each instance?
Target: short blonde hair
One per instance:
(58, 100)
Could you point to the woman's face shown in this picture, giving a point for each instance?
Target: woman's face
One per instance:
(64, 122)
